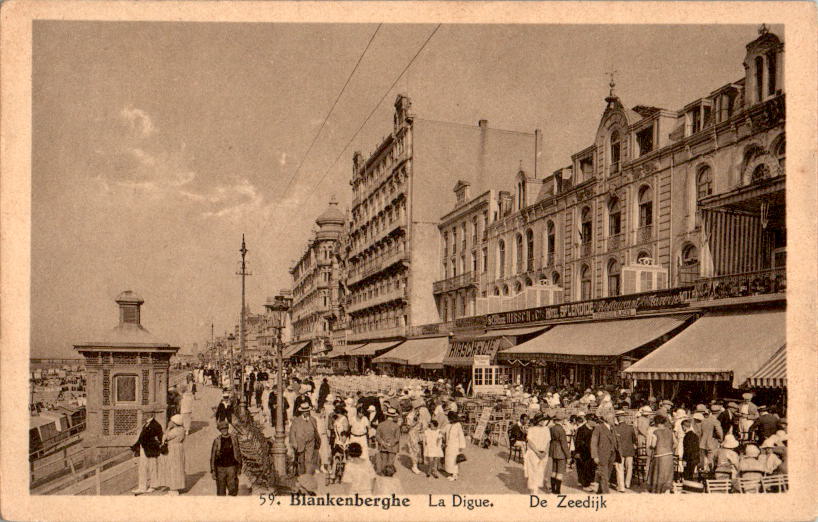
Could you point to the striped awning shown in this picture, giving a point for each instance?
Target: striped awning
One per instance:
(341, 351)
(370, 349)
(294, 349)
(426, 353)
(773, 373)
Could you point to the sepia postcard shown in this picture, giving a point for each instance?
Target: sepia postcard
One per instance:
(408, 260)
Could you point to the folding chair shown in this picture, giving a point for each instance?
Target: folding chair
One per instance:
(775, 483)
(717, 486)
(749, 485)
(678, 488)
(516, 451)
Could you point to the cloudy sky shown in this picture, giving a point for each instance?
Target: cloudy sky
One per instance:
(156, 145)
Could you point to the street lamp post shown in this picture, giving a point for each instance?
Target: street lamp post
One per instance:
(279, 310)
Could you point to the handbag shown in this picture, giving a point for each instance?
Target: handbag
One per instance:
(163, 449)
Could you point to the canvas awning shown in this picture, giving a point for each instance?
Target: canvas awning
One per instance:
(294, 349)
(514, 332)
(370, 349)
(719, 347)
(341, 351)
(594, 342)
(427, 353)
(773, 373)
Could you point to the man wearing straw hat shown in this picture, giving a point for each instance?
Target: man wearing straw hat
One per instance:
(304, 440)
(388, 439)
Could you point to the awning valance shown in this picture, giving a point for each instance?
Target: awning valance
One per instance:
(370, 349)
(341, 351)
(773, 373)
(462, 351)
(719, 347)
(427, 353)
(594, 342)
(294, 349)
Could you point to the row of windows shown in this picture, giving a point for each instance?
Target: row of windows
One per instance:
(379, 200)
(462, 233)
(373, 176)
(308, 284)
(455, 265)
(381, 320)
(366, 234)
(379, 287)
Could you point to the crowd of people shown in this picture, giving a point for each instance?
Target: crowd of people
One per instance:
(350, 430)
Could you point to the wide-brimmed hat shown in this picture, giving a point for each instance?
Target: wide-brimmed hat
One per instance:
(701, 408)
(304, 406)
(698, 416)
(620, 413)
(762, 408)
(715, 407)
(768, 443)
(729, 442)
(665, 401)
(752, 451)
(732, 404)
(560, 415)
(391, 412)
(646, 410)
(747, 396)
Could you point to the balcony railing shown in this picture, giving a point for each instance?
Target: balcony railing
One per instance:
(377, 333)
(644, 234)
(616, 241)
(376, 264)
(453, 283)
(770, 281)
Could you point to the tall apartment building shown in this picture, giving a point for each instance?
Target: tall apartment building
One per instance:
(315, 283)
(660, 198)
(394, 247)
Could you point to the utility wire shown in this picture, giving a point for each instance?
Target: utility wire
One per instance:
(326, 118)
(385, 94)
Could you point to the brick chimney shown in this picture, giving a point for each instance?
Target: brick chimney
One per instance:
(482, 176)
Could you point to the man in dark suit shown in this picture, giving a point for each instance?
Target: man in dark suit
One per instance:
(582, 445)
(603, 450)
(626, 436)
(765, 425)
(559, 451)
(729, 419)
(146, 449)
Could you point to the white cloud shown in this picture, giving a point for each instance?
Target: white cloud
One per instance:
(138, 120)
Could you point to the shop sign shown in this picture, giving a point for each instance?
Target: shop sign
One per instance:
(476, 322)
(482, 360)
(627, 305)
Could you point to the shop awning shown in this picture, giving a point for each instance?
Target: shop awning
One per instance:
(717, 347)
(594, 342)
(426, 353)
(773, 373)
(370, 349)
(514, 332)
(462, 350)
(341, 351)
(294, 349)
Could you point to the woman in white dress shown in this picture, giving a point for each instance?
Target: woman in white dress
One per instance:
(324, 451)
(538, 440)
(359, 431)
(455, 443)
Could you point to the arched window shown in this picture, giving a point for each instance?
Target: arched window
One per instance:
(496, 290)
(614, 218)
(551, 241)
(689, 266)
(645, 207)
(613, 278)
(474, 231)
(585, 283)
(519, 260)
(704, 182)
(615, 152)
(505, 289)
(501, 259)
(759, 63)
(528, 281)
(555, 278)
(780, 151)
(760, 173)
(529, 241)
(586, 228)
(518, 287)
(641, 256)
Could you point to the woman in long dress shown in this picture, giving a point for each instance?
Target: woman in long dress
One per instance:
(535, 462)
(359, 431)
(455, 443)
(324, 450)
(660, 476)
(172, 464)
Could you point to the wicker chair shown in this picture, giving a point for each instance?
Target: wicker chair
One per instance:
(640, 465)
(749, 485)
(775, 483)
(717, 486)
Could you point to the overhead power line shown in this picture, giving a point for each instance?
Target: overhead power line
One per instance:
(329, 113)
(385, 94)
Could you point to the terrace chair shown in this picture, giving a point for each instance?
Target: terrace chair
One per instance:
(640, 465)
(717, 486)
(775, 483)
(678, 488)
(749, 485)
